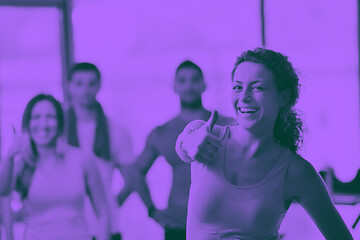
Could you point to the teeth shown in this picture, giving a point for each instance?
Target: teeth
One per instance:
(249, 109)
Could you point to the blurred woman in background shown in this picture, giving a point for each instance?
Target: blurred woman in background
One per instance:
(245, 177)
(52, 177)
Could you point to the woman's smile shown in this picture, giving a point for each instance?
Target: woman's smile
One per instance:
(248, 110)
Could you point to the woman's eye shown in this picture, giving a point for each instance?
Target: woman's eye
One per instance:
(237, 87)
(258, 88)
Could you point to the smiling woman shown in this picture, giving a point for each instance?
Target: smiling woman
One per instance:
(43, 120)
(263, 75)
(245, 177)
(252, 90)
(51, 176)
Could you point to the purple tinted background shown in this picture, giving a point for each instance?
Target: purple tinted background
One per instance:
(137, 46)
(142, 44)
(30, 60)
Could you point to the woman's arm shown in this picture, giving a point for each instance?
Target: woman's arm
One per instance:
(307, 186)
(94, 184)
(7, 217)
(6, 175)
(13, 163)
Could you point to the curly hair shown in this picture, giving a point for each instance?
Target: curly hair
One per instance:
(288, 129)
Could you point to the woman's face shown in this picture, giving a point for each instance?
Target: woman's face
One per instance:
(255, 97)
(43, 125)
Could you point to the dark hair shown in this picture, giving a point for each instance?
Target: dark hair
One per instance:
(84, 66)
(189, 64)
(29, 107)
(24, 179)
(288, 129)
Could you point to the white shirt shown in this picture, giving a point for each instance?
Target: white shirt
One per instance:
(121, 153)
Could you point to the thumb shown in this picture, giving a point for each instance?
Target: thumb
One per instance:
(212, 120)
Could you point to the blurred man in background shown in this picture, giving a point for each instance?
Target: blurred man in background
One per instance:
(89, 128)
(189, 85)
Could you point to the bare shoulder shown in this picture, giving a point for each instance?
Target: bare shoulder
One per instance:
(173, 125)
(71, 151)
(301, 177)
(300, 168)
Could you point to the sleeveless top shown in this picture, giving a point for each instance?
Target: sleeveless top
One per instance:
(219, 209)
(54, 206)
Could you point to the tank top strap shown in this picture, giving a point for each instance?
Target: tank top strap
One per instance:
(225, 133)
(224, 137)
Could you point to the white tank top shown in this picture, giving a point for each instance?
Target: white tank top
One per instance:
(220, 210)
(54, 206)
(86, 136)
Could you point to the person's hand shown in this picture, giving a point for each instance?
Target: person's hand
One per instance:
(166, 218)
(21, 145)
(201, 144)
(121, 197)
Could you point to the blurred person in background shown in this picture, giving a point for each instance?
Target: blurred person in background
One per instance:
(51, 177)
(189, 85)
(89, 128)
(245, 177)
